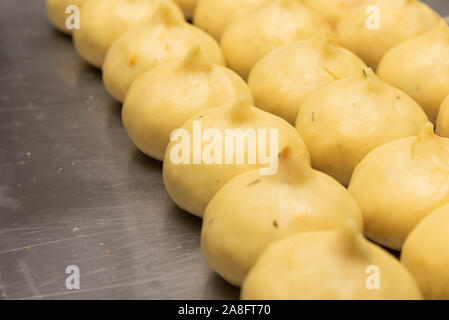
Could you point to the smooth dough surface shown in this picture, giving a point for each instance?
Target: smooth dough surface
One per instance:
(426, 254)
(399, 20)
(420, 68)
(268, 27)
(344, 121)
(332, 10)
(165, 38)
(192, 186)
(328, 265)
(103, 21)
(400, 183)
(162, 99)
(284, 78)
(251, 211)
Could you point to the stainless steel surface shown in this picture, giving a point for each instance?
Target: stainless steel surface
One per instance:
(74, 190)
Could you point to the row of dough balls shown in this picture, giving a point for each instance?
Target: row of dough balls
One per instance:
(411, 66)
(170, 72)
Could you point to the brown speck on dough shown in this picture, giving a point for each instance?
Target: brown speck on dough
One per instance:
(133, 60)
(275, 224)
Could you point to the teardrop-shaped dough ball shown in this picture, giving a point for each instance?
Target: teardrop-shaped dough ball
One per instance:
(103, 21)
(166, 37)
(426, 254)
(56, 12)
(162, 99)
(370, 30)
(251, 211)
(400, 183)
(194, 172)
(443, 119)
(213, 16)
(284, 78)
(328, 265)
(187, 6)
(332, 10)
(420, 68)
(269, 26)
(346, 120)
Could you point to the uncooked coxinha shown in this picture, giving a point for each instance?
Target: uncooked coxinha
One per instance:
(420, 68)
(284, 78)
(192, 185)
(399, 20)
(426, 254)
(164, 98)
(328, 265)
(351, 117)
(251, 211)
(400, 183)
(267, 27)
(103, 21)
(166, 37)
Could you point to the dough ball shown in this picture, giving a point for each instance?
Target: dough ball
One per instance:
(426, 254)
(103, 21)
(166, 37)
(400, 183)
(251, 211)
(398, 21)
(284, 78)
(235, 130)
(269, 26)
(328, 265)
(420, 68)
(162, 99)
(213, 16)
(344, 121)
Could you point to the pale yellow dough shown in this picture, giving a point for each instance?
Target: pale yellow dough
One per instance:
(426, 254)
(162, 99)
(344, 121)
(400, 183)
(165, 37)
(328, 265)
(443, 119)
(400, 20)
(103, 21)
(213, 16)
(187, 6)
(333, 10)
(420, 67)
(269, 26)
(56, 12)
(192, 186)
(284, 78)
(251, 211)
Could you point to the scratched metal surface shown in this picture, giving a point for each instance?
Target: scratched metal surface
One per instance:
(74, 190)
